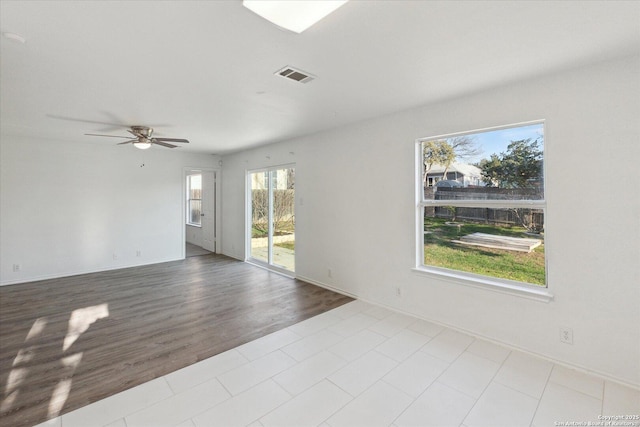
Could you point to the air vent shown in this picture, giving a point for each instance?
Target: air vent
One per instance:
(295, 74)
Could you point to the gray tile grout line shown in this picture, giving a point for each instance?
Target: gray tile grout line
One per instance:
(359, 357)
(488, 384)
(298, 362)
(441, 373)
(541, 396)
(398, 363)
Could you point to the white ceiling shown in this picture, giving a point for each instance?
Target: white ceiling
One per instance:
(203, 70)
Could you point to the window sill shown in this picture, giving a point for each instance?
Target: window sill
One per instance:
(503, 287)
(195, 225)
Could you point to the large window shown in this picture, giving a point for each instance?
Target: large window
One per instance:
(194, 199)
(481, 205)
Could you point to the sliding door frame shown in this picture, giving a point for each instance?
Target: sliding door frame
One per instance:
(269, 264)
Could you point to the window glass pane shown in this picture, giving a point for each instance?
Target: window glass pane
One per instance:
(504, 164)
(195, 211)
(194, 199)
(500, 243)
(260, 216)
(195, 186)
(284, 237)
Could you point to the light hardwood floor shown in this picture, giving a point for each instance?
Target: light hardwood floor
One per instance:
(68, 342)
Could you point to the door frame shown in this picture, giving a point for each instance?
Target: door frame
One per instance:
(217, 234)
(248, 220)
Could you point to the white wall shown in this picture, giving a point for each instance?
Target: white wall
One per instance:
(193, 235)
(355, 214)
(67, 208)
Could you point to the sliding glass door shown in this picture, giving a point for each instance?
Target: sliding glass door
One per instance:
(271, 219)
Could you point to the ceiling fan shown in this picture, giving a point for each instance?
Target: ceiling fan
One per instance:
(143, 139)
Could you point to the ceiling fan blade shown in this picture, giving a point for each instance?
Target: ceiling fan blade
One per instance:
(127, 142)
(185, 141)
(73, 119)
(164, 144)
(108, 136)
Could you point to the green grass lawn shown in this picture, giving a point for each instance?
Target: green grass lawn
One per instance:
(287, 245)
(262, 229)
(440, 251)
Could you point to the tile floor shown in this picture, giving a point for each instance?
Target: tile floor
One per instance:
(363, 365)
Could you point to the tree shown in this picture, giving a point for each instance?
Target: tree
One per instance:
(282, 212)
(492, 171)
(519, 167)
(446, 151)
(436, 152)
(465, 147)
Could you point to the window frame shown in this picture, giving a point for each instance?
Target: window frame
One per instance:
(512, 287)
(189, 200)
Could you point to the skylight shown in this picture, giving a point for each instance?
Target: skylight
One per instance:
(293, 15)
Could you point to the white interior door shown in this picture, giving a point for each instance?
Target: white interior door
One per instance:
(208, 220)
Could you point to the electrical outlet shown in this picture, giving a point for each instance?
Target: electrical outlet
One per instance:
(398, 291)
(566, 335)
(329, 273)
(138, 253)
(16, 268)
(115, 256)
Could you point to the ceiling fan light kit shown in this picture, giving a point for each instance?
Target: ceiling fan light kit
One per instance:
(292, 15)
(143, 138)
(142, 145)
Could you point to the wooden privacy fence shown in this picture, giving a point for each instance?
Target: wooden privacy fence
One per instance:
(532, 219)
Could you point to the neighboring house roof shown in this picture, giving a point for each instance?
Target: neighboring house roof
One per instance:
(461, 168)
(449, 183)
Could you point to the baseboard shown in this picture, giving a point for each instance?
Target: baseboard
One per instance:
(79, 272)
(234, 256)
(331, 288)
(601, 375)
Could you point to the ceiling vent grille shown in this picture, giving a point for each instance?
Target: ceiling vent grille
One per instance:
(295, 74)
